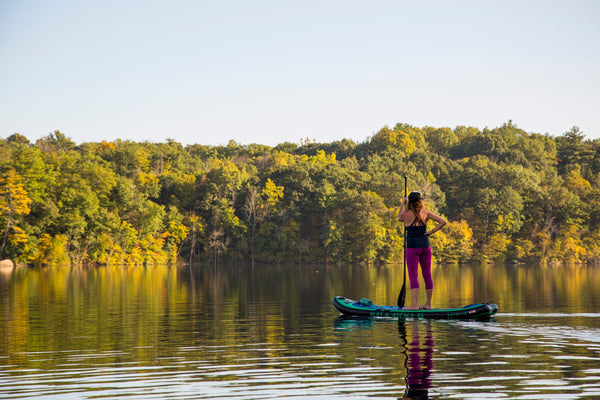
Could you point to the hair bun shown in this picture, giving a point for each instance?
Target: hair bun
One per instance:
(415, 196)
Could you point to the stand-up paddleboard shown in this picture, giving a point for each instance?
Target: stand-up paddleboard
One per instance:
(364, 308)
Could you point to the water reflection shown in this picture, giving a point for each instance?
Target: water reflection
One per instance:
(238, 332)
(418, 347)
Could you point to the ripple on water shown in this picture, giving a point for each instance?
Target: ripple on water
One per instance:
(249, 378)
(517, 360)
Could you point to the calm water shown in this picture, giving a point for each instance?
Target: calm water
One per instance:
(237, 333)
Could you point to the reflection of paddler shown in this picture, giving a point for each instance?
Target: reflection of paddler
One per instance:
(419, 359)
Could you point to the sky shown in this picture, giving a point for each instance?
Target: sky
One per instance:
(268, 72)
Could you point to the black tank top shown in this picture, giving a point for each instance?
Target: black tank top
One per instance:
(415, 235)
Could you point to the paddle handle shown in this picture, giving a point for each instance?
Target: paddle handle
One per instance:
(402, 295)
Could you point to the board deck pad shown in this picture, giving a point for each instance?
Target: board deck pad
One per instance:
(365, 308)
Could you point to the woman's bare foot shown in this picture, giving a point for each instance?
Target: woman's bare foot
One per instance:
(412, 307)
(425, 307)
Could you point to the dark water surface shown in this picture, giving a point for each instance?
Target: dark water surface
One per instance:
(270, 332)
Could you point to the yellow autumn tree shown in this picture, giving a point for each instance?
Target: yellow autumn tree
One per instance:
(454, 243)
(387, 139)
(14, 202)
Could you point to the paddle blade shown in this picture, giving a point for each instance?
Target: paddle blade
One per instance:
(402, 296)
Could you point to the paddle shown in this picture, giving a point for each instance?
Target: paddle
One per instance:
(402, 295)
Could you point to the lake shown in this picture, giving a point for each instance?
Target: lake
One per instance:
(200, 332)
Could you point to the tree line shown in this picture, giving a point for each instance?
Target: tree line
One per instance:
(509, 196)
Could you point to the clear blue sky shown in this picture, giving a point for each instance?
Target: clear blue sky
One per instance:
(273, 71)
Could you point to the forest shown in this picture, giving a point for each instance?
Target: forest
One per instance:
(509, 196)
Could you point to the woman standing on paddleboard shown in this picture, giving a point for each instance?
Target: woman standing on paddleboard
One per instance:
(415, 217)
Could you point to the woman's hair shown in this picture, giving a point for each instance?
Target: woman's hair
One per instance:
(415, 204)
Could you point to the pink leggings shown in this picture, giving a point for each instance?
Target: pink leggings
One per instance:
(413, 258)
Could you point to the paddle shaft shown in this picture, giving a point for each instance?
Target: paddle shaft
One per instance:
(402, 295)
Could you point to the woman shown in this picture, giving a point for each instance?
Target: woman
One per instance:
(415, 218)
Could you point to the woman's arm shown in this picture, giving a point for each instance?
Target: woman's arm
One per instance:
(441, 222)
(402, 209)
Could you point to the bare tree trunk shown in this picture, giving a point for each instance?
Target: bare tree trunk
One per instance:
(8, 221)
(193, 243)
